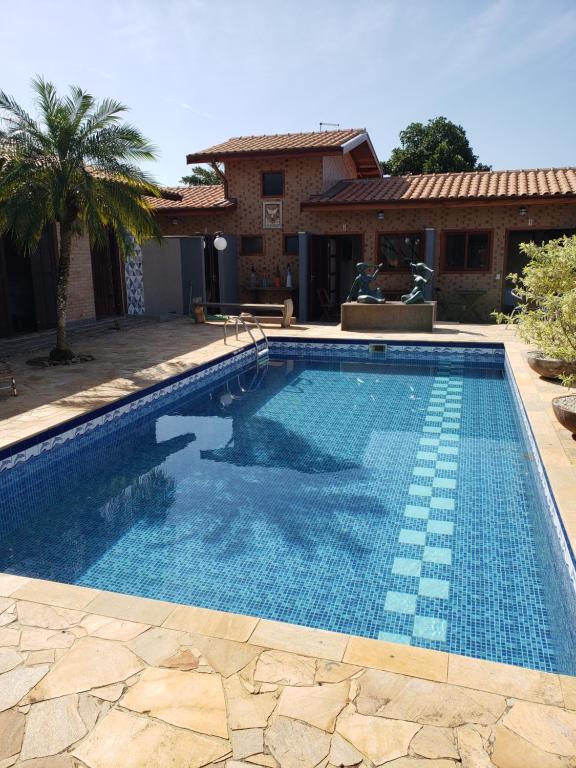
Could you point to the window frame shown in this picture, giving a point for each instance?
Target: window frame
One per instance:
(268, 195)
(251, 253)
(465, 270)
(284, 250)
(405, 268)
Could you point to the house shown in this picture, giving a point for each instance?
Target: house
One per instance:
(319, 203)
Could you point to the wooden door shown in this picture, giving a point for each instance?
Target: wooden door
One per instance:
(107, 279)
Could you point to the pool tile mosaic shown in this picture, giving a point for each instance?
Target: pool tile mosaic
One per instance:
(256, 494)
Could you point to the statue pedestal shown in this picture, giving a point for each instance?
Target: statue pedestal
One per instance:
(391, 316)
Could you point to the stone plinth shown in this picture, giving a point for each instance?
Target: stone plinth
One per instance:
(391, 316)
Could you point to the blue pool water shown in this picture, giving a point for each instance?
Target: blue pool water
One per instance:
(393, 499)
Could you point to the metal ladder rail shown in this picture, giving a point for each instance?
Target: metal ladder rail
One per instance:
(240, 320)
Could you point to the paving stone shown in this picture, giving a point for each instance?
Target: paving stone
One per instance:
(40, 657)
(90, 663)
(5, 603)
(262, 759)
(112, 629)
(512, 751)
(186, 699)
(342, 753)
(568, 685)
(14, 685)
(228, 626)
(11, 733)
(145, 743)
(507, 680)
(10, 583)
(285, 668)
(108, 692)
(434, 743)
(52, 726)
(7, 618)
(378, 739)
(142, 610)
(418, 762)
(9, 658)
(318, 706)
(472, 748)
(304, 640)
(549, 728)
(184, 660)
(296, 745)
(247, 742)
(247, 710)
(45, 639)
(47, 616)
(58, 761)
(334, 671)
(157, 644)
(9, 636)
(422, 701)
(8, 762)
(226, 656)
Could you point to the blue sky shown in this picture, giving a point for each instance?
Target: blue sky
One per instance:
(195, 72)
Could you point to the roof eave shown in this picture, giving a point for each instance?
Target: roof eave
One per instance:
(223, 156)
(376, 205)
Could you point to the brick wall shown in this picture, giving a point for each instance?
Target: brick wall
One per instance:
(81, 289)
(307, 175)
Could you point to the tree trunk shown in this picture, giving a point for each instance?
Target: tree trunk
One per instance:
(61, 351)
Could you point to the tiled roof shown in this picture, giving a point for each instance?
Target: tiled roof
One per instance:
(205, 196)
(280, 143)
(438, 187)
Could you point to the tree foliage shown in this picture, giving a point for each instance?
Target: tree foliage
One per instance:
(440, 146)
(546, 313)
(76, 166)
(201, 176)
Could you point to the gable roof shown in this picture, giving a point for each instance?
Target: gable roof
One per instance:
(487, 186)
(353, 140)
(203, 198)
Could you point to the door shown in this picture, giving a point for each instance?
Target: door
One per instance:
(331, 271)
(516, 260)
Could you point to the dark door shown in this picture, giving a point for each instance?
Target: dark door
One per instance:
(20, 309)
(44, 270)
(515, 259)
(211, 270)
(107, 279)
(331, 272)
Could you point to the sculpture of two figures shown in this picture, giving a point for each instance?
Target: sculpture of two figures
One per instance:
(421, 274)
(363, 292)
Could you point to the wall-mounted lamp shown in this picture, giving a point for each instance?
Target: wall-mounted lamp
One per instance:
(522, 211)
(175, 222)
(380, 215)
(220, 242)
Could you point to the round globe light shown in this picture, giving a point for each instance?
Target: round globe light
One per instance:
(220, 243)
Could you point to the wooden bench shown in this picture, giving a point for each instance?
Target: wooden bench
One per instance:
(285, 310)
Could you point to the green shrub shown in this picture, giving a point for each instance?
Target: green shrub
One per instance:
(546, 289)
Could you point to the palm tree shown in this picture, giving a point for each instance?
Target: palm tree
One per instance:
(76, 166)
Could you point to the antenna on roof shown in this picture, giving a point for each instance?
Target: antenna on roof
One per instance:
(331, 125)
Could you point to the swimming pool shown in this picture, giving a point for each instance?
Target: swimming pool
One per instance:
(389, 491)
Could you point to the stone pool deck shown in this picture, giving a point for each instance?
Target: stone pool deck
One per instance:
(93, 678)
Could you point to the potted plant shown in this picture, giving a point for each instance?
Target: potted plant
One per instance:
(546, 316)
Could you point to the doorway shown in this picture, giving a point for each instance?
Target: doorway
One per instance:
(211, 270)
(330, 273)
(27, 286)
(516, 260)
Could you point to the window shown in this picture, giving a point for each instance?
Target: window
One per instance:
(395, 252)
(466, 251)
(272, 183)
(291, 245)
(250, 244)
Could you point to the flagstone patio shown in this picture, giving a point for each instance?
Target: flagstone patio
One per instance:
(92, 678)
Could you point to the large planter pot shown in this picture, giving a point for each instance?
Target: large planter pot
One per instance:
(549, 367)
(565, 411)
